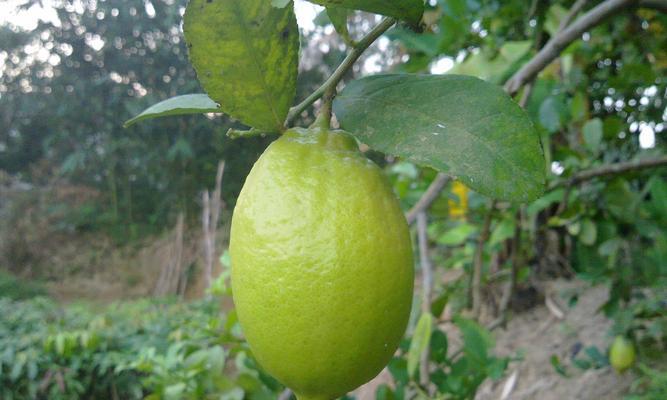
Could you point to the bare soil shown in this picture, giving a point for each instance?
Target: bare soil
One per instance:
(533, 337)
(538, 335)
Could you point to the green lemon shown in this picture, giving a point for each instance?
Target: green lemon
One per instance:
(322, 268)
(621, 354)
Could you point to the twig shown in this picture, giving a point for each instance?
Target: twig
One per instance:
(427, 283)
(527, 92)
(565, 202)
(428, 197)
(514, 260)
(610, 170)
(210, 216)
(563, 39)
(339, 73)
(205, 223)
(478, 262)
(170, 277)
(181, 280)
(574, 11)
(323, 120)
(532, 10)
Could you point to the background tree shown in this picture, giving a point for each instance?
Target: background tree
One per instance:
(591, 75)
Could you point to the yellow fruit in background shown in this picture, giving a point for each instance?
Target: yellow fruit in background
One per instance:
(622, 354)
(322, 269)
(458, 209)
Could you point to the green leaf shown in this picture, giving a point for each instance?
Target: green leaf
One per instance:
(476, 339)
(179, 105)
(579, 107)
(383, 392)
(439, 345)
(610, 247)
(592, 132)
(216, 359)
(420, 341)
(589, 232)
(175, 391)
(398, 369)
(555, 15)
(558, 366)
(408, 10)
(338, 17)
(494, 68)
(426, 43)
(457, 124)
(551, 114)
(280, 3)
(503, 231)
(545, 201)
(457, 235)
(438, 305)
(246, 57)
(658, 190)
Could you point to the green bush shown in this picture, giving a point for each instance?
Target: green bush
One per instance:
(14, 288)
(155, 349)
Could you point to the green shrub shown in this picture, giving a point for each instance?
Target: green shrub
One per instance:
(155, 349)
(14, 288)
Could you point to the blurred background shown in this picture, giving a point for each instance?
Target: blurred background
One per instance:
(110, 288)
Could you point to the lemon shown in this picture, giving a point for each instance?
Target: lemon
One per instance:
(621, 354)
(322, 269)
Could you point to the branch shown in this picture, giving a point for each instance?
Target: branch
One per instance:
(478, 263)
(610, 169)
(427, 283)
(563, 39)
(428, 197)
(338, 74)
(514, 259)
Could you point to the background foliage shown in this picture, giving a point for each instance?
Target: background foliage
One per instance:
(66, 88)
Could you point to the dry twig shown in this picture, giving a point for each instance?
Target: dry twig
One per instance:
(428, 197)
(210, 217)
(427, 283)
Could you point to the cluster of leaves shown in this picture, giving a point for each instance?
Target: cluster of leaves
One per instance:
(157, 349)
(249, 68)
(166, 349)
(16, 289)
(590, 107)
(456, 375)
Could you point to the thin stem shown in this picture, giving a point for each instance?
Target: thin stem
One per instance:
(342, 69)
(514, 259)
(478, 262)
(610, 170)
(576, 9)
(427, 283)
(429, 197)
(323, 120)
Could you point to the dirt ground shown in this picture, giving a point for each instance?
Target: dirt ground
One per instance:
(535, 336)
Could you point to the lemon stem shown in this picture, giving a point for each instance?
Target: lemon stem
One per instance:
(342, 69)
(323, 120)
